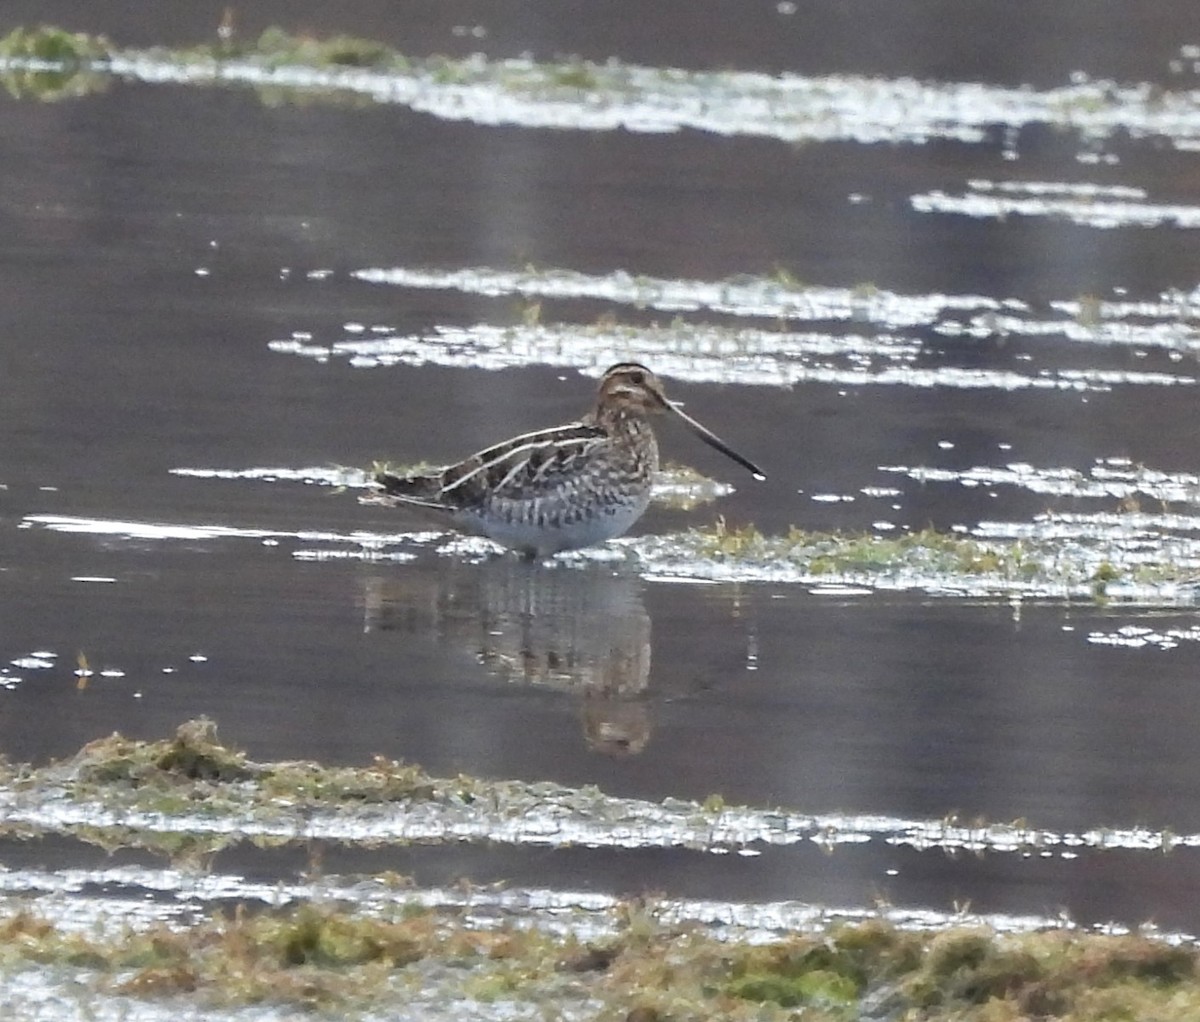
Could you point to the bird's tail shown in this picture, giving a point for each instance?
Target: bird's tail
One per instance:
(415, 489)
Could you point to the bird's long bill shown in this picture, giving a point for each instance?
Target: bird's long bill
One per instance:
(716, 442)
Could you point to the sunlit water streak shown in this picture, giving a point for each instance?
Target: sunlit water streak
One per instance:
(739, 296)
(331, 475)
(37, 993)
(165, 531)
(787, 107)
(712, 354)
(1069, 556)
(1100, 206)
(1109, 478)
(177, 897)
(1141, 637)
(550, 816)
(1169, 323)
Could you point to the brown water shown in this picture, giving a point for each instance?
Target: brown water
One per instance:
(159, 237)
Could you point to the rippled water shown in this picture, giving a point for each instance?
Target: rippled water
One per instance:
(918, 297)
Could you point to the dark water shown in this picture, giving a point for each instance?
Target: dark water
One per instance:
(120, 362)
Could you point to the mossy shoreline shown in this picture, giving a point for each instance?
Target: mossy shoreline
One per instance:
(341, 957)
(189, 796)
(327, 958)
(49, 62)
(954, 563)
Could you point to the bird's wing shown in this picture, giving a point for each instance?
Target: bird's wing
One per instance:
(522, 467)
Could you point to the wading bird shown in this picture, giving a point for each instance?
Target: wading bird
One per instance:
(563, 488)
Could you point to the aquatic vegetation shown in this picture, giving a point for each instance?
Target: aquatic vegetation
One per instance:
(711, 352)
(193, 767)
(925, 551)
(1145, 559)
(347, 951)
(49, 63)
(278, 47)
(334, 958)
(579, 94)
(576, 74)
(1038, 560)
(189, 795)
(192, 755)
(51, 44)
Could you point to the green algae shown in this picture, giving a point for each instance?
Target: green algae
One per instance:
(79, 63)
(51, 44)
(194, 772)
(929, 554)
(188, 797)
(192, 755)
(332, 954)
(829, 553)
(325, 957)
(50, 63)
(278, 47)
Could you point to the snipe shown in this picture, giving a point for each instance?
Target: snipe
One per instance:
(563, 488)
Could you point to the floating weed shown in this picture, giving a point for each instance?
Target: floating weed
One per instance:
(183, 848)
(339, 956)
(384, 780)
(817, 988)
(577, 74)
(278, 47)
(972, 966)
(786, 278)
(724, 541)
(792, 108)
(192, 755)
(1090, 310)
(187, 802)
(50, 63)
(794, 974)
(867, 289)
(193, 774)
(530, 312)
(1053, 975)
(53, 45)
(327, 938)
(995, 559)
(825, 553)
(970, 975)
(321, 956)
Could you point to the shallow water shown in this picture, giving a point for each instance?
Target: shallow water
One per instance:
(980, 318)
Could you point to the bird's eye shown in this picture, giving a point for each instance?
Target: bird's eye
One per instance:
(638, 378)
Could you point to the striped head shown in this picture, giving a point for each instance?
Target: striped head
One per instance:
(629, 387)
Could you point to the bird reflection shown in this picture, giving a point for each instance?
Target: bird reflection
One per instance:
(580, 629)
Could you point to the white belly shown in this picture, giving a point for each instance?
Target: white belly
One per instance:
(547, 539)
